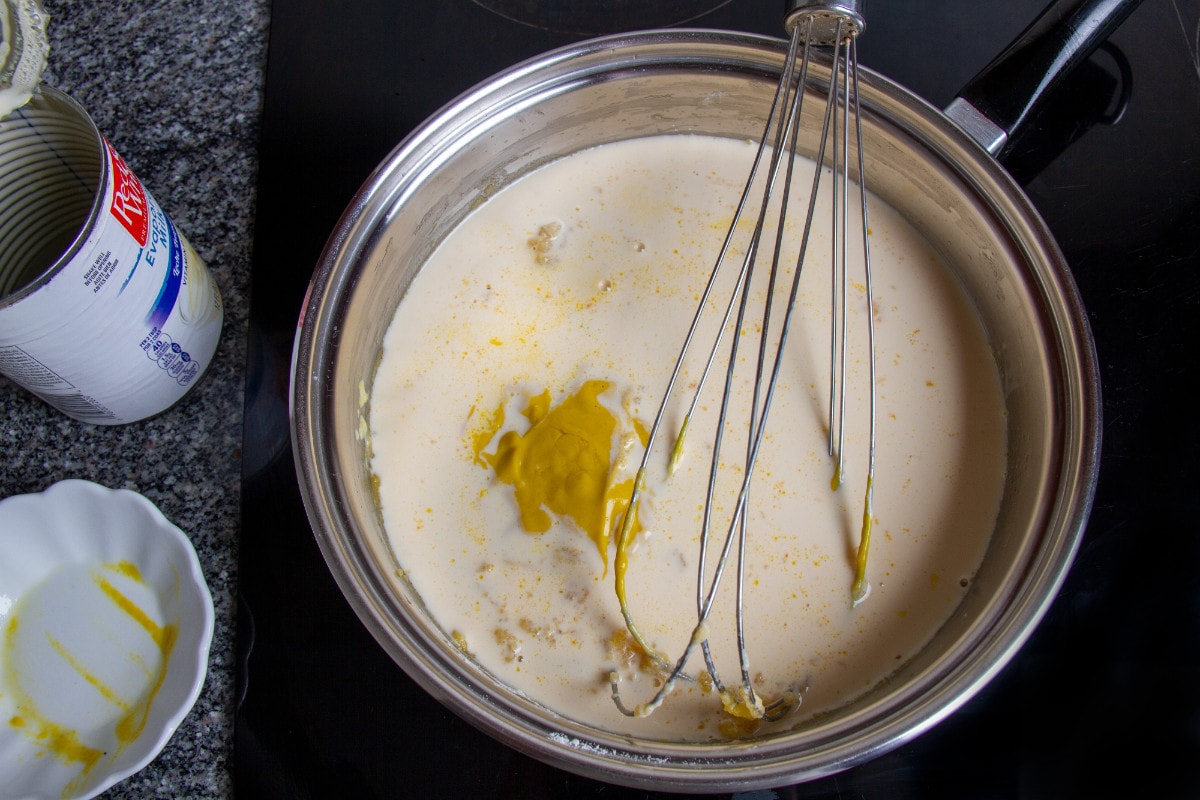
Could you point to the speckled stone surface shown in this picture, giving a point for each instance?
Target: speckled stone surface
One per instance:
(177, 89)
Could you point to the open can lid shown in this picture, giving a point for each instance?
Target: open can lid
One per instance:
(23, 51)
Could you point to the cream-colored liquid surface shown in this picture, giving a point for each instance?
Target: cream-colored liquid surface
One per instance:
(591, 268)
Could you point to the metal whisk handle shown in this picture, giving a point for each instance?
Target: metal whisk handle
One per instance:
(826, 16)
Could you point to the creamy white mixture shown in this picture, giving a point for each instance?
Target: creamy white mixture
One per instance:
(590, 268)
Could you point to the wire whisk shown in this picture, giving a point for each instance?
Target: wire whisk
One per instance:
(811, 24)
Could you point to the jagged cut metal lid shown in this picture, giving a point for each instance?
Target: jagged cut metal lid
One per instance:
(23, 51)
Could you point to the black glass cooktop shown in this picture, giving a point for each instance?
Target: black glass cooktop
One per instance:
(1103, 700)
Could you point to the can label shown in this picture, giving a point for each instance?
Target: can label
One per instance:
(129, 199)
(125, 322)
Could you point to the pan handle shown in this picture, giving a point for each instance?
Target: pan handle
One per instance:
(1005, 93)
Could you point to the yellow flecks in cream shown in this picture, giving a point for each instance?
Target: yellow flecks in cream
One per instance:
(563, 465)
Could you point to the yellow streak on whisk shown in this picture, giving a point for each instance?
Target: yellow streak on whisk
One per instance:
(861, 588)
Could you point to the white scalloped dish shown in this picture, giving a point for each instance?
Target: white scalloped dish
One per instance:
(105, 626)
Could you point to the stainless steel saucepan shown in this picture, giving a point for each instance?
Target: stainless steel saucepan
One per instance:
(717, 83)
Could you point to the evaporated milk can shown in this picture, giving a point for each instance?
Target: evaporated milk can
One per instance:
(106, 311)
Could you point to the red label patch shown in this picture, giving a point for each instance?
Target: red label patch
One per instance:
(129, 199)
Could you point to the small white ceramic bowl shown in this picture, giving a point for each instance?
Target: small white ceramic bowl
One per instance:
(105, 626)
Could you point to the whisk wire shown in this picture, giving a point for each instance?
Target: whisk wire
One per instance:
(626, 527)
(785, 143)
(784, 117)
(838, 277)
(860, 588)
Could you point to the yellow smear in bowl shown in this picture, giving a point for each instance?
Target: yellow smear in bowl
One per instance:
(85, 653)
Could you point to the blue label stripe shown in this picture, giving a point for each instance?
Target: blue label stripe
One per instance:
(136, 261)
(169, 293)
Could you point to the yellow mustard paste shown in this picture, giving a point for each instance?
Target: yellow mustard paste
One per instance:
(563, 464)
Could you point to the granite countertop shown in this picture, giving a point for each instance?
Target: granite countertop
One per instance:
(177, 89)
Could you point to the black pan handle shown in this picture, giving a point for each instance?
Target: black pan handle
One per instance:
(1007, 92)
